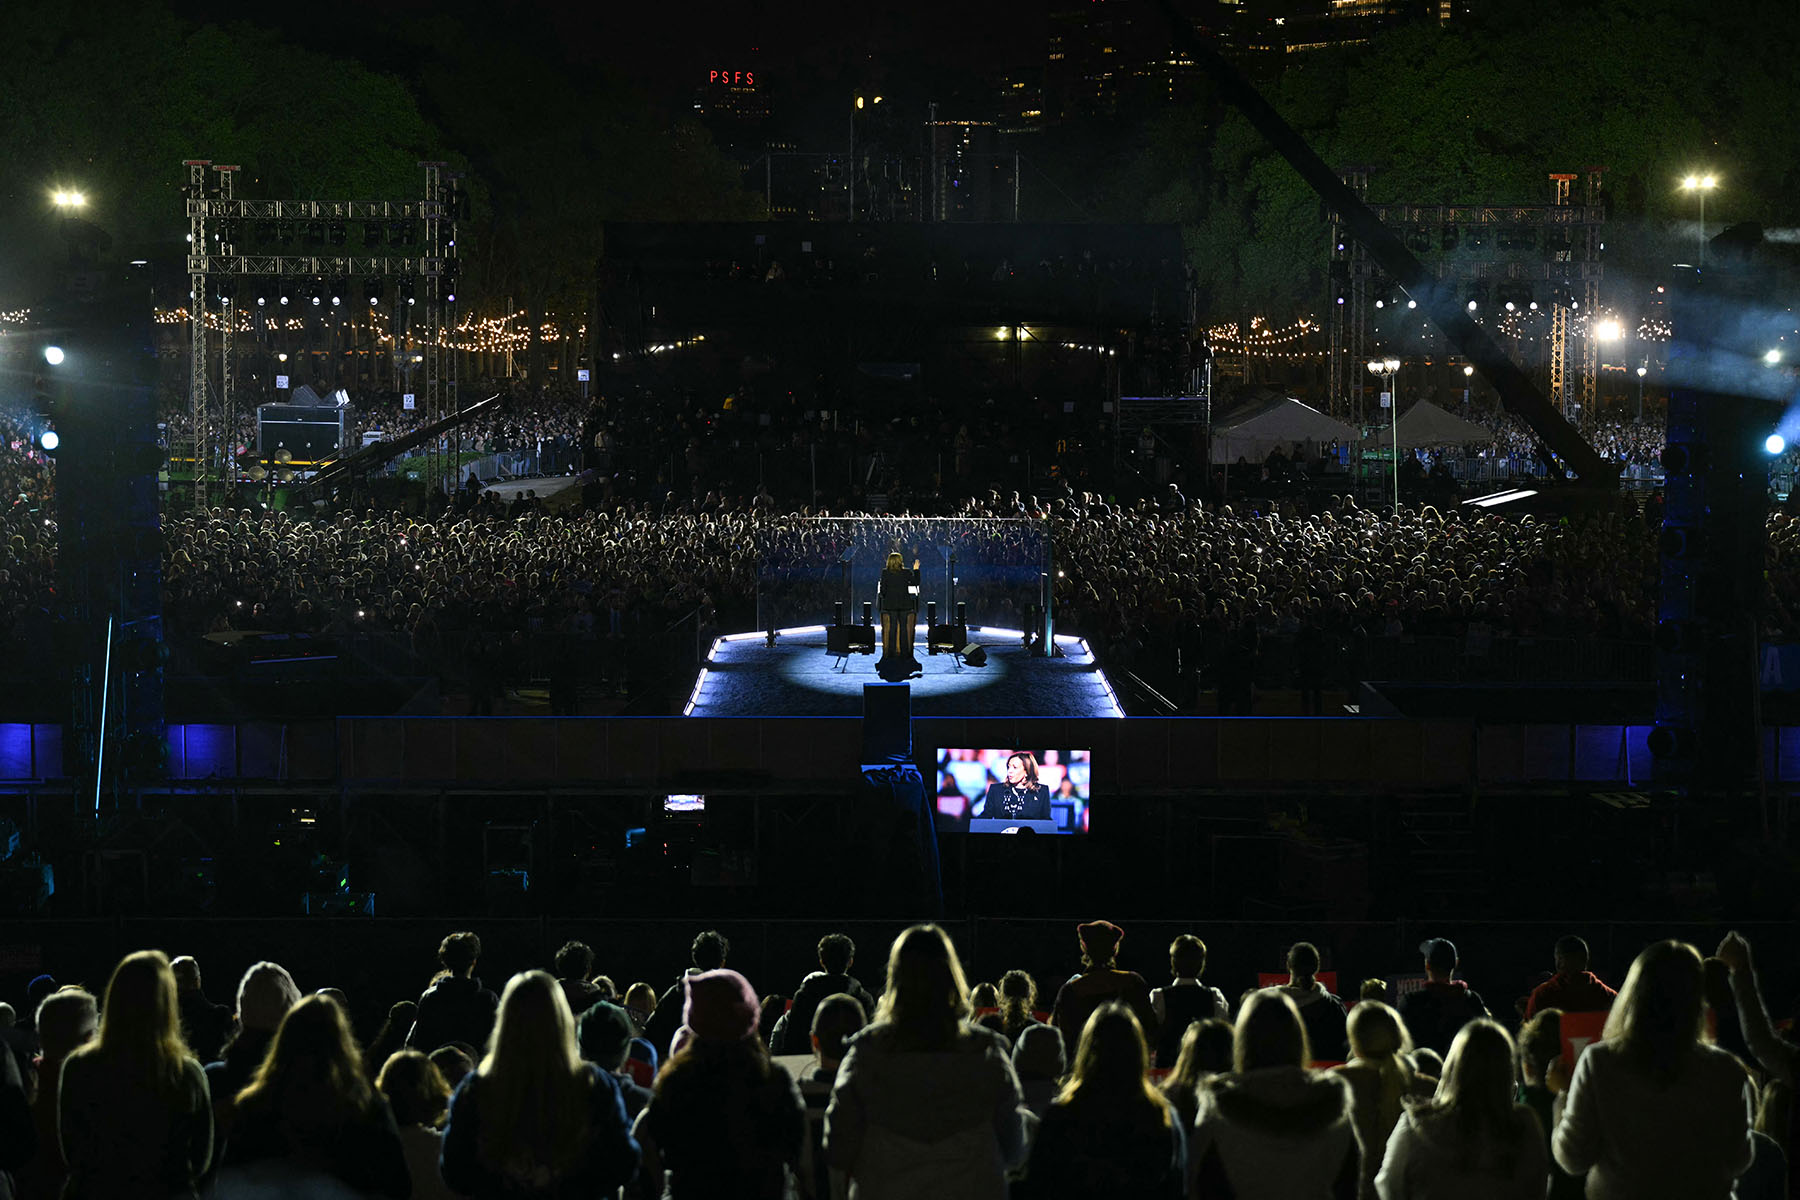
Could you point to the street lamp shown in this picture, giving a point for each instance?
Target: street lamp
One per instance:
(65, 199)
(1701, 184)
(1388, 370)
(1643, 370)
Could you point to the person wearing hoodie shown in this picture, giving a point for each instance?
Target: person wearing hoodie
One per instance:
(707, 953)
(1100, 980)
(1435, 1012)
(1473, 1142)
(456, 1007)
(1321, 1012)
(724, 1119)
(1274, 1129)
(1382, 1080)
(1110, 1132)
(1573, 988)
(926, 1103)
(837, 953)
(1654, 1109)
(264, 995)
(1038, 1058)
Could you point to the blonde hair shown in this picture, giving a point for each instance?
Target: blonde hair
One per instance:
(534, 1085)
(1379, 1038)
(894, 562)
(140, 1023)
(927, 996)
(1270, 1033)
(1657, 1019)
(1475, 1096)
(1112, 1065)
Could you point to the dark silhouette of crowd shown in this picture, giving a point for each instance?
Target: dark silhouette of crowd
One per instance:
(1677, 1084)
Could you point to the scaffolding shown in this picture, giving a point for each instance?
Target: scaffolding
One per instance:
(218, 220)
(1474, 245)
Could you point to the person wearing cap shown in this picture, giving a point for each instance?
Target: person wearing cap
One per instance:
(605, 1032)
(926, 1102)
(1573, 988)
(533, 1119)
(724, 1119)
(1100, 980)
(1435, 1013)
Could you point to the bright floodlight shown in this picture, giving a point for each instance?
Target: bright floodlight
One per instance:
(69, 199)
(1392, 364)
(53, 355)
(1643, 371)
(1473, 306)
(48, 439)
(1772, 357)
(1774, 443)
(1608, 331)
(1468, 370)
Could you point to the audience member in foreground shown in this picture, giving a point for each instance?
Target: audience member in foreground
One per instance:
(1205, 1054)
(1185, 1000)
(1435, 1012)
(310, 1115)
(837, 1019)
(1472, 1142)
(534, 1120)
(1653, 1110)
(419, 1097)
(1320, 1011)
(926, 1104)
(724, 1119)
(604, 1034)
(66, 1021)
(1275, 1129)
(1573, 988)
(134, 1117)
(455, 1008)
(1110, 1133)
(264, 996)
(1018, 1005)
(1038, 1058)
(1382, 1079)
(1776, 1055)
(707, 953)
(1100, 980)
(1545, 1076)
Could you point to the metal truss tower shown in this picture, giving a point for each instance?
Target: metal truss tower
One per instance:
(1347, 316)
(217, 219)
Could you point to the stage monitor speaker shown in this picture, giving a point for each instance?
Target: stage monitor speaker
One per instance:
(887, 723)
(842, 640)
(946, 637)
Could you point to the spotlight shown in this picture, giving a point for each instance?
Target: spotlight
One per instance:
(262, 302)
(48, 440)
(1774, 444)
(284, 298)
(1772, 357)
(372, 290)
(53, 355)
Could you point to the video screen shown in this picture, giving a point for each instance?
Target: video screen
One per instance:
(685, 807)
(1010, 790)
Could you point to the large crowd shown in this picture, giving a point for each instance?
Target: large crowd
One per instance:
(675, 512)
(570, 1083)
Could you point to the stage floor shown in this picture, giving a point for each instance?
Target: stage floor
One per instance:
(744, 677)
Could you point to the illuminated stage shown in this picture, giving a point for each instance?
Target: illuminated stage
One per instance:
(745, 677)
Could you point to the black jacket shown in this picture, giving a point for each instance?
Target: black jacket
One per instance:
(454, 1009)
(797, 1032)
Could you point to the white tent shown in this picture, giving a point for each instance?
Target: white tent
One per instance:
(1256, 430)
(1425, 424)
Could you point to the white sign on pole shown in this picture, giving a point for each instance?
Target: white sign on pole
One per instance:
(406, 401)
(281, 382)
(1387, 399)
(581, 375)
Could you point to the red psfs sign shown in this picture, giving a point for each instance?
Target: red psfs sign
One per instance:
(747, 78)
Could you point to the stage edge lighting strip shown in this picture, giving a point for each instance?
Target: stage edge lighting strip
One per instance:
(700, 682)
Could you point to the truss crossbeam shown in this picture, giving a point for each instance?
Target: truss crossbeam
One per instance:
(294, 266)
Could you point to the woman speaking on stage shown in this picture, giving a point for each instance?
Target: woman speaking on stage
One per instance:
(1021, 797)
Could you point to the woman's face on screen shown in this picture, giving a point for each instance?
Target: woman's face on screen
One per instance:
(1015, 770)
